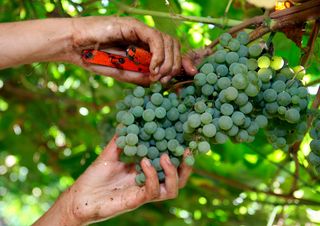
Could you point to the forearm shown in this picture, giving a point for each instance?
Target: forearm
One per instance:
(35, 41)
(60, 213)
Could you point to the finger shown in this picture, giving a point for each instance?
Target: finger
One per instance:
(152, 185)
(184, 170)
(167, 64)
(155, 78)
(188, 66)
(111, 152)
(176, 68)
(171, 181)
(165, 79)
(120, 75)
(156, 44)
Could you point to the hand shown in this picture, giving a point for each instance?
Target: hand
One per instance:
(106, 32)
(107, 188)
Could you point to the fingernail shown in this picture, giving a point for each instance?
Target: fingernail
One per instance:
(194, 69)
(156, 70)
(147, 162)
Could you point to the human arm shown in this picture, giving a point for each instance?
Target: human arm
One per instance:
(107, 188)
(64, 39)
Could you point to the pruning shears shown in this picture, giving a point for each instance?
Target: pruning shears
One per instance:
(136, 59)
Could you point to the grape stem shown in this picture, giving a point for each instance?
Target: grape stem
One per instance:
(312, 83)
(178, 84)
(220, 22)
(311, 42)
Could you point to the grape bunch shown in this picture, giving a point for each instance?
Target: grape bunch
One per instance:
(150, 124)
(284, 101)
(225, 90)
(238, 90)
(314, 156)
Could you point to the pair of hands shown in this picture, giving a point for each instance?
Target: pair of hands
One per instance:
(107, 188)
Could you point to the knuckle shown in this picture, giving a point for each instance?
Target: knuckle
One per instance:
(176, 69)
(154, 194)
(177, 43)
(166, 69)
(182, 184)
(173, 194)
(158, 33)
(170, 41)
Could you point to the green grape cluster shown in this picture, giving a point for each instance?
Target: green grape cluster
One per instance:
(314, 156)
(238, 90)
(150, 124)
(283, 100)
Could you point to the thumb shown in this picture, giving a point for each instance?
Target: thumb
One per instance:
(111, 152)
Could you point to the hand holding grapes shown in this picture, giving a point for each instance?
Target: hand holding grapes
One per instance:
(108, 188)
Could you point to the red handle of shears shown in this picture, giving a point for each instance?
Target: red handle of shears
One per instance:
(136, 59)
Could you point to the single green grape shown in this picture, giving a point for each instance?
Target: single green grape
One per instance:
(222, 70)
(243, 37)
(156, 99)
(130, 150)
(160, 112)
(153, 152)
(239, 81)
(203, 147)
(148, 115)
(226, 109)
(200, 79)
(142, 150)
(200, 106)
(189, 160)
(159, 134)
(225, 122)
(121, 142)
(206, 118)
(156, 87)
(150, 127)
(224, 83)
(207, 90)
(209, 130)
(140, 179)
(255, 50)
(277, 63)
(292, 115)
(194, 120)
(234, 45)
(232, 57)
(173, 114)
(207, 68)
(262, 121)
(238, 118)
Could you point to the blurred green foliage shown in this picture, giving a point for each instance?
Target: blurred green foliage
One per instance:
(55, 118)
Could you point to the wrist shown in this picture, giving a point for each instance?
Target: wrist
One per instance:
(89, 33)
(66, 204)
(61, 213)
